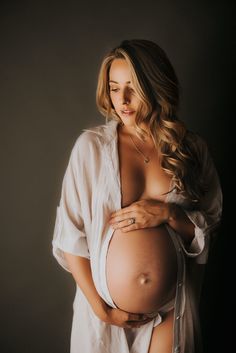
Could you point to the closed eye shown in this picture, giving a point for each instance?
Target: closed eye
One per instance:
(131, 90)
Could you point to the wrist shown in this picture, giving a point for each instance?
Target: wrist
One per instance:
(101, 310)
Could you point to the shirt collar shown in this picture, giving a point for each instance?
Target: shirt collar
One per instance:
(107, 132)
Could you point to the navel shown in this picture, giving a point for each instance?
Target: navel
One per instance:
(144, 278)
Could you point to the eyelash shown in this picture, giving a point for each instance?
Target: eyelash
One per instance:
(116, 89)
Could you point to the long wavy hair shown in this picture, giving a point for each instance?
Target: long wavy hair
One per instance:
(157, 87)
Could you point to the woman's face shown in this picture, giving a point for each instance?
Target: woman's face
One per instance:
(122, 93)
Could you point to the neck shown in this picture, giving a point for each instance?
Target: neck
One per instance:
(132, 131)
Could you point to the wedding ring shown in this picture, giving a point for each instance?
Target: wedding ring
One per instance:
(132, 220)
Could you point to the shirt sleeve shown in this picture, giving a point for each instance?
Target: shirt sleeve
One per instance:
(69, 231)
(207, 218)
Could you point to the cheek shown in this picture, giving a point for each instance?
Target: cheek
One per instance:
(113, 100)
(135, 100)
(136, 104)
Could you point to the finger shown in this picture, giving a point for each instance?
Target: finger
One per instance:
(128, 228)
(121, 217)
(122, 223)
(137, 324)
(120, 212)
(137, 317)
(131, 208)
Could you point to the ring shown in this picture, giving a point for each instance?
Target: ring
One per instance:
(132, 220)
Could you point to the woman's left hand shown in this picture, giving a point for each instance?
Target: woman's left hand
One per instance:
(147, 213)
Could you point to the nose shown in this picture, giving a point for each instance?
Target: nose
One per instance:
(125, 97)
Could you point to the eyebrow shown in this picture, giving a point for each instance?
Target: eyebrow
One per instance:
(118, 82)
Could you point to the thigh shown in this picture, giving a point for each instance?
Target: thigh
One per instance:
(162, 335)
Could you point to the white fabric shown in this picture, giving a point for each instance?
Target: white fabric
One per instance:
(90, 193)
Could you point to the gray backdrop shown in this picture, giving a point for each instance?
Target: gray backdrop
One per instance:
(50, 52)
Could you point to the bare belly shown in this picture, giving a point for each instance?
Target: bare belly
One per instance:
(141, 269)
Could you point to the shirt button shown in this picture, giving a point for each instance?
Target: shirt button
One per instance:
(177, 349)
(180, 284)
(178, 317)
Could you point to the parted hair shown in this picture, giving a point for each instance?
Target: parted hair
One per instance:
(157, 86)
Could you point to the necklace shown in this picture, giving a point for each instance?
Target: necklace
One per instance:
(146, 158)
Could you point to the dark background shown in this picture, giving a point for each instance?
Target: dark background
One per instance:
(50, 53)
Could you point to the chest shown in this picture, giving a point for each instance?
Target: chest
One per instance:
(140, 180)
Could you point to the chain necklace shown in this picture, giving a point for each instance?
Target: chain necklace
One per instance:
(146, 158)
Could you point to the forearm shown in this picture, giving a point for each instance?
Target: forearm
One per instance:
(178, 220)
(81, 271)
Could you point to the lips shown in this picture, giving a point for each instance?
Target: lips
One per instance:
(127, 112)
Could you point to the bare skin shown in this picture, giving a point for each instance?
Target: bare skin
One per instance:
(148, 212)
(146, 203)
(162, 335)
(81, 272)
(141, 269)
(142, 263)
(144, 187)
(145, 278)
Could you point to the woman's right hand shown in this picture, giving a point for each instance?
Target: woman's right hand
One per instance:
(123, 319)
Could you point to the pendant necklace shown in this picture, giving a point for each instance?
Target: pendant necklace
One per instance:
(146, 158)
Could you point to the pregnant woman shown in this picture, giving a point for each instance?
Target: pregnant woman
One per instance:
(140, 202)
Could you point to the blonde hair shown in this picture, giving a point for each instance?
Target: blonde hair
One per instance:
(157, 88)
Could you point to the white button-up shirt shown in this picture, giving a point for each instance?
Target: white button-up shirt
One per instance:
(91, 191)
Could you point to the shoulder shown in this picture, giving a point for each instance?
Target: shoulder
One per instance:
(88, 139)
(96, 135)
(92, 140)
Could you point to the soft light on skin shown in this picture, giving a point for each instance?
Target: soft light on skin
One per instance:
(122, 93)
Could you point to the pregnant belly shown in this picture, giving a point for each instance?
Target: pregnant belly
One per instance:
(141, 269)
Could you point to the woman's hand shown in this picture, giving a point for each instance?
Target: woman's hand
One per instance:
(147, 213)
(124, 319)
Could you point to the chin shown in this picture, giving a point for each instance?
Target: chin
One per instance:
(128, 121)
